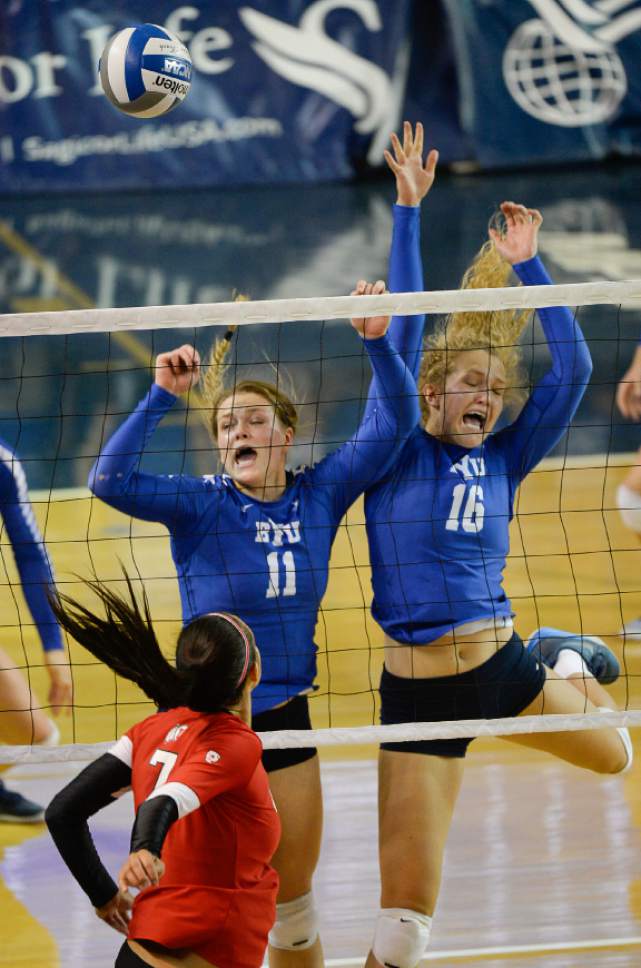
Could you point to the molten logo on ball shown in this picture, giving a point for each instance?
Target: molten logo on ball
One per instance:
(139, 69)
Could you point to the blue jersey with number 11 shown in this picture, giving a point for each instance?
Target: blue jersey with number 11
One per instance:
(266, 561)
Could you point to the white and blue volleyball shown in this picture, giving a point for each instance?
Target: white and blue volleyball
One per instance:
(145, 71)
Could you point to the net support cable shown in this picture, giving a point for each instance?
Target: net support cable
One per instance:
(354, 735)
(312, 309)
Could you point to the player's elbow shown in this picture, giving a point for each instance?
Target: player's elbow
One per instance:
(101, 483)
(55, 815)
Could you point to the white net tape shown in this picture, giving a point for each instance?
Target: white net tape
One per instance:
(328, 307)
(623, 294)
(351, 736)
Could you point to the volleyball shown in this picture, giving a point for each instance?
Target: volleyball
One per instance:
(145, 71)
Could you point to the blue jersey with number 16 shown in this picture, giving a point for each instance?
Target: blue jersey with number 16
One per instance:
(438, 524)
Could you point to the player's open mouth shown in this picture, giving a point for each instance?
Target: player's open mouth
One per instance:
(474, 420)
(244, 456)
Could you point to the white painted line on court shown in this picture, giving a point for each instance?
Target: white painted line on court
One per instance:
(506, 951)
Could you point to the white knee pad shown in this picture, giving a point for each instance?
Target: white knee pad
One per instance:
(626, 739)
(296, 926)
(401, 937)
(53, 738)
(629, 504)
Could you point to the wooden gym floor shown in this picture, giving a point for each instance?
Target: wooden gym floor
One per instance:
(544, 861)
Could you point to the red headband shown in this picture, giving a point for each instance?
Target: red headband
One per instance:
(239, 628)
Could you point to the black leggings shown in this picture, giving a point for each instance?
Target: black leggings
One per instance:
(128, 958)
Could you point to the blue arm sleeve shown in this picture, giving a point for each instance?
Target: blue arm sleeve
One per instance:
(552, 404)
(367, 456)
(405, 275)
(114, 478)
(32, 560)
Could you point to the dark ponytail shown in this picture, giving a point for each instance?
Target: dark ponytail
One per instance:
(214, 656)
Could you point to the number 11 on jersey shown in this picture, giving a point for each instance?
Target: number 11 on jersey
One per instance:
(282, 574)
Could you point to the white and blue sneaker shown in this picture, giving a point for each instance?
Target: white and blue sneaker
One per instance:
(546, 643)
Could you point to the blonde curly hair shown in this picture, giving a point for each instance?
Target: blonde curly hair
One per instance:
(215, 390)
(497, 331)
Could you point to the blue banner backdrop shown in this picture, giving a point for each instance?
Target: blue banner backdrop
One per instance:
(287, 91)
(547, 80)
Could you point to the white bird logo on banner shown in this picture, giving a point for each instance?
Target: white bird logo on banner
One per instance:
(563, 68)
(305, 55)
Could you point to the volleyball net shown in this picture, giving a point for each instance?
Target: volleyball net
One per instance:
(72, 377)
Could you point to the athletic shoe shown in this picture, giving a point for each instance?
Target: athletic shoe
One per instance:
(14, 808)
(546, 643)
(631, 630)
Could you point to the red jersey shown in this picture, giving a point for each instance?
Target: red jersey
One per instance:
(218, 893)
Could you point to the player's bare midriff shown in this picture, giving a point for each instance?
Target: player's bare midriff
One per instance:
(450, 655)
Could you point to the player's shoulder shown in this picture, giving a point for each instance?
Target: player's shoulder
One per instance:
(499, 445)
(165, 726)
(230, 732)
(419, 442)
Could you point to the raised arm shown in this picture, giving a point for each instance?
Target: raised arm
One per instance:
(115, 478)
(414, 178)
(367, 456)
(66, 816)
(36, 574)
(552, 404)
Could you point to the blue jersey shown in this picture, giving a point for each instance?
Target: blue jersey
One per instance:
(32, 560)
(438, 523)
(266, 561)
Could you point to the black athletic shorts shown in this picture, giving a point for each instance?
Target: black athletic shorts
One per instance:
(292, 715)
(128, 958)
(503, 686)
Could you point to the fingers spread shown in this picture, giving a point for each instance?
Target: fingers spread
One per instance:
(431, 161)
(418, 139)
(398, 150)
(391, 163)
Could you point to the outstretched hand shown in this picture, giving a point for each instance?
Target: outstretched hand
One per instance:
(413, 177)
(117, 912)
(518, 242)
(178, 370)
(370, 327)
(141, 869)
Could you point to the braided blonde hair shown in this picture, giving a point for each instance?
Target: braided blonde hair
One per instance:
(497, 331)
(214, 390)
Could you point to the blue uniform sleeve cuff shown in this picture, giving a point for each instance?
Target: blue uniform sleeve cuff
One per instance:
(160, 396)
(406, 211)
(532, 272)
(382, 344)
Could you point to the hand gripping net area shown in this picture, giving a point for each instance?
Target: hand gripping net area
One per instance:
(71, 378)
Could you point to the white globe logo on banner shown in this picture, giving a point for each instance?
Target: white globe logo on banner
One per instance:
(562, 68)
